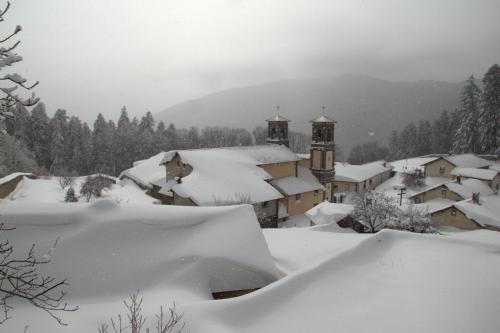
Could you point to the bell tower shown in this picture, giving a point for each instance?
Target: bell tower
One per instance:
(322, 160)
(277, 130)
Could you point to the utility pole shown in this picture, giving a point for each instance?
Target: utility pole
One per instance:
(401, 192)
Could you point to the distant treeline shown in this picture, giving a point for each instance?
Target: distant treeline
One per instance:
(64, 145)
(474, 127)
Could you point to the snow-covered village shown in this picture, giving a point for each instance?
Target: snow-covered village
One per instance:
(249, 166)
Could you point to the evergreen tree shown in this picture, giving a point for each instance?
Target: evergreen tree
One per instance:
(408, 141)
(70, 195)
(442, 134)
(146, 136)
(394, 146)
(85, 150)
(58, 145)
(489, 118)
(123, 142)
(18, 125)
(193, 137)
(424, 138)
(356, 155)
(15, 157)
(101, 147)
(466, 138)
(171, 136)
(40, 135)
(260, 135)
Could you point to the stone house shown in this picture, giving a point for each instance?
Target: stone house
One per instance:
(359, 178)
(490, 176)
(9, 183)
(456, 190)
(442, 166)
(477, 213)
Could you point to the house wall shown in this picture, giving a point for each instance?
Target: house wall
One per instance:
(328, 192)
(437, 193)
(270, 210)
(364, 186)
(307, 201)
(433, 169)
(8, 187)
(459, 220)
(181, 201)
(329, 160)
(280, 170)
(340, 186)
(305, 163)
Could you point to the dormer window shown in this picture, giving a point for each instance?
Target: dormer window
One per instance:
(442, 170)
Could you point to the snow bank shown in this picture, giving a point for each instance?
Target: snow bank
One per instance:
(48, 190)
(410, 164)
(391, 282)
(106, 251)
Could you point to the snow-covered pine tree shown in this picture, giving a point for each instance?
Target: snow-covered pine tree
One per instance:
(466, 138)
(489, 116)
(146, 136)
(58, 146)
(442, 134)
(193, 138)
(70, 195)
(424, 138)
(101, 146)
(172, 139)
(40, 135)
(394, 148)
(85, 150)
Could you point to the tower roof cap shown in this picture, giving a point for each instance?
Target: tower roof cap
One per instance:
(277, 118)
(323, 119)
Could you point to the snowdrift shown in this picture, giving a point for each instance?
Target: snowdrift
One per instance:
(390, 282)
(107, 250)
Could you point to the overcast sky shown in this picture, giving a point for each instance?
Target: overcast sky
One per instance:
(96, 55)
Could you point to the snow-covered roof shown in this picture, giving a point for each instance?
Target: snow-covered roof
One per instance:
(323, 119)
(410, 164)
(486, 213)
(486, 174)
(304, 156)
(278, 118)
(465, 188)
(327, 212)
(435, 204)
(261, 154)
(304, 182)
(146, 172)
(357, 173)
(467, 161)
(225, 175)
(14, 175)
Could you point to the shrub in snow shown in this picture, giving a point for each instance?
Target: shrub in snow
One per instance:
(93, 186)
(414, 177)
(413, 219)
(268, 221)
(65, 181)
(70, 195)
(134, 323)
(374, 210)
(239, 199)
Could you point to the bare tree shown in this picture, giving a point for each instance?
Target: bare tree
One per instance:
(374, 210)
(413, 177)
(7, 59)
(413, 219)
(165, 322)
(20, 279)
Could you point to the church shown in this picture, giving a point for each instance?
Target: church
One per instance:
(277, 182)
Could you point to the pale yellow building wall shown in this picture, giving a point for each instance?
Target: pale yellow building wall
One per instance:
(305, 163)
(280, 170)
(433, 169)
(316, 159)
(329, 160)
(340, 186)
(459, 220)
(437, 193)
(307, 201)
(328, 191)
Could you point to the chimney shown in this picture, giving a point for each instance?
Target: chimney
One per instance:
(475, 198)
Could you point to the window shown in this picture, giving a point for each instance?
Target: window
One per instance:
(417, 200)
(443, 193)
(335, 187)
(453, 212)
(364, 185)
(316, 193)
(370, 181)
(264, 204)
(297, 197)
(442, 170)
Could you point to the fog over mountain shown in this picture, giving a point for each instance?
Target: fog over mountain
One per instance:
(365, 108)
